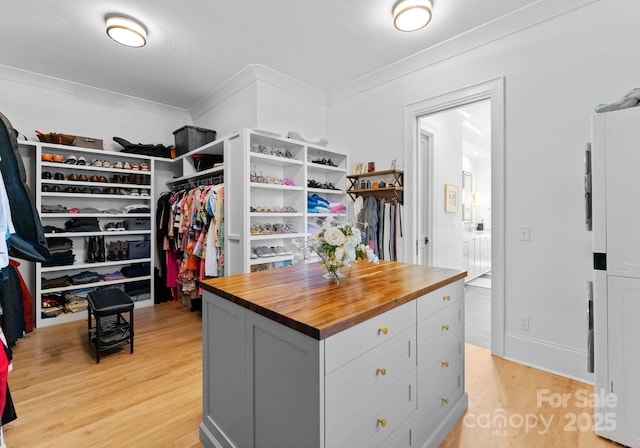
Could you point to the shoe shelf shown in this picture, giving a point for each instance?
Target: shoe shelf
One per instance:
(326, 215)
(80, 266)
(96, 284)
(278, 187)
(276, 161)
(114, 188)
(95, 215)
(101, 233)
(275, 215)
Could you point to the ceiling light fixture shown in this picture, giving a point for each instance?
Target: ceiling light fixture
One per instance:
(126, 31)
(412, 15)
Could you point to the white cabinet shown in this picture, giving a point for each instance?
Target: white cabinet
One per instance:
(616, 281)
(395, 380)
(619, 416)
(66, 191)
(476, 253)
(269, 187)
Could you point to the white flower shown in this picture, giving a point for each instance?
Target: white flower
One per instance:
(334, 236)
(339, 253)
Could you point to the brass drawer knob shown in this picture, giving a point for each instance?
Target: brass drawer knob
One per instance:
(445, 400)
(445, 363)
(383, 330)
(382, 422)
(445, 327)
(381, 371)
(447, 298)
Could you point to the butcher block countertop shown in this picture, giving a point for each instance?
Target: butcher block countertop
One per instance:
(300, 298)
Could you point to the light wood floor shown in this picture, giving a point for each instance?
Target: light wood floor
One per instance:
(153, 397)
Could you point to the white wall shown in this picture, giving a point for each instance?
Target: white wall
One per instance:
(260, 98)
(33, 102)
(555, 73)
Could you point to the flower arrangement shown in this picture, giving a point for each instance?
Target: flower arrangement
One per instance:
(338, 245)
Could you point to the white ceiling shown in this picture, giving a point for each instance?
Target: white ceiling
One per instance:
(196, 45)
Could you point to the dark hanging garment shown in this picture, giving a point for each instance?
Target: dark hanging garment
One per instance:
(28, 243)
(12, 318)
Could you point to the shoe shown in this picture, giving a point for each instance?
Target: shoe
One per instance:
(106, 164)
(71, 160)
(119, 165)
(253, 255)
(144, 192)
(58, 176)
(94, 178)
(97, 163)
(126, 166)
(82, 178)
(135, 166)
(55, 189)
(46, 157)
(58, 158)
(92, 248)
(95, 191)
(120, 226)
(46, 175)
(100, 256)
(134, 192)
(72, 176)
(144, 166)
(103, 179)
(81, 161)
(113, 251)
(110, 227)
(116, 179)
(45, 188)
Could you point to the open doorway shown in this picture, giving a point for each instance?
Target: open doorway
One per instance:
(456, 146)
(437, 236)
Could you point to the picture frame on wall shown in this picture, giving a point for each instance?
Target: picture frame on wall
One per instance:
(451, 198)
(359, 169)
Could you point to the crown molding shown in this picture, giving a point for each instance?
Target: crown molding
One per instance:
(514, 22)
(19, 76)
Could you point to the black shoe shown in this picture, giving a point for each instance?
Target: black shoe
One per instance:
(100, 257)
(92, 249)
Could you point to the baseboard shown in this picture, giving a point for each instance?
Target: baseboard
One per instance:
(552, 358)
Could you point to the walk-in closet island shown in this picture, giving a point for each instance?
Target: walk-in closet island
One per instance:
(291, 359)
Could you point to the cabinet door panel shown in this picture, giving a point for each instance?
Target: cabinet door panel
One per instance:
(624, 358)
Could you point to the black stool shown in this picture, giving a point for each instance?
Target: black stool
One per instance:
(110, 332)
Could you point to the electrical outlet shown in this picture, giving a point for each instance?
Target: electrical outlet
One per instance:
(523, 322)
(524, 233)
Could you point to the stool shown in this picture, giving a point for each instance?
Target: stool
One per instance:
(110, 332)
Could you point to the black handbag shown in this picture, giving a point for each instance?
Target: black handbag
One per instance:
(28, 243)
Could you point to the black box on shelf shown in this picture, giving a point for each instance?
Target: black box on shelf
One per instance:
(139, 249)
(137, 224)
(192, 137)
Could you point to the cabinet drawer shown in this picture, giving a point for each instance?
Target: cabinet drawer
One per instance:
(368, 420)
(351, 343)
(442, 390)
(447, 321)
(373, 371)
(436, 374)
(435, 301)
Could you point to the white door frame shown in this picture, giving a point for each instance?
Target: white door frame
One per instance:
(426, 219)
(493, 90)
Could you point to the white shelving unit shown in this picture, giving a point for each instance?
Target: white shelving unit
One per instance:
(132, 187)
(276, 172)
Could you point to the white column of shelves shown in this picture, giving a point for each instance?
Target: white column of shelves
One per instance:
(108, 198)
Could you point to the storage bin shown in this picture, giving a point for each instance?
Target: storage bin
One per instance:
(139, 249)
(137, 224)
(192, 137)
(88, 142)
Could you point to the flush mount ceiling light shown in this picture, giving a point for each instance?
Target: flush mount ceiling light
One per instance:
(126, 31)
(412, 15)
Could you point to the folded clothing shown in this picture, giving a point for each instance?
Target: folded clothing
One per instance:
(54, 209)
(53, 229)
(58, 282)
(85, 277)
(60, 259)
(137, 288)
(58, 244)
(82, 225)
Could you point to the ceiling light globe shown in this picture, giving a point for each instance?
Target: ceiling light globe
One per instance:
(126, 32)
(412, 15)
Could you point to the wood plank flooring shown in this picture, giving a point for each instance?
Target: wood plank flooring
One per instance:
(153, 397)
